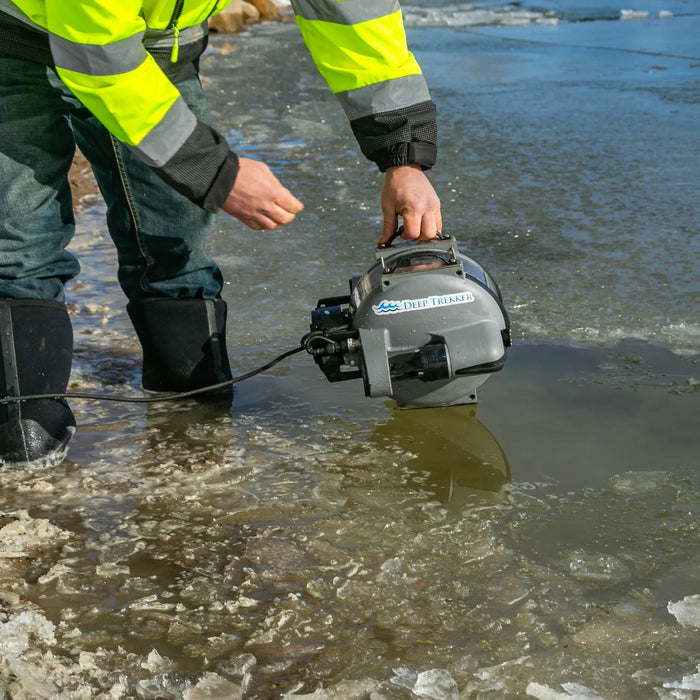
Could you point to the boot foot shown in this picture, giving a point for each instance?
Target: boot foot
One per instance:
(36, 346)
(32, 447)
(184, 345)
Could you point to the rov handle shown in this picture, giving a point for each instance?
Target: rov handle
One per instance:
(399, 232)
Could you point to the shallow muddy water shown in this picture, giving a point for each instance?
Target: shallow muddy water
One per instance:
(313, 542)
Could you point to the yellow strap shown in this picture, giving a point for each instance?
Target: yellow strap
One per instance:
(176, 47)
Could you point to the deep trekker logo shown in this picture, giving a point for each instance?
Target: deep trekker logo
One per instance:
(398, 307)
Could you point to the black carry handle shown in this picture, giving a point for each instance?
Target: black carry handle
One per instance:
(399, 231)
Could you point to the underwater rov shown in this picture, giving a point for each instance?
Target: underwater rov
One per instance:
(425, 325)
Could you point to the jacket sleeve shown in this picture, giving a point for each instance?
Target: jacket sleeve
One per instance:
(359, 47)
(98, 51)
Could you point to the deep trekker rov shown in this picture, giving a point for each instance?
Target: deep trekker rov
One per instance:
(425, 325)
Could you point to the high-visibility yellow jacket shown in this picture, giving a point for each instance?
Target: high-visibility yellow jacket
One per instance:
(123, 58)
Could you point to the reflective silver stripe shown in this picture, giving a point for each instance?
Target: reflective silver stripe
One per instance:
(345, 12)
(90, 59)
(165, 38)
(384, 96)
(166, 138)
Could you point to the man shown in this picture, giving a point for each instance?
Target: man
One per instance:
(120, 79)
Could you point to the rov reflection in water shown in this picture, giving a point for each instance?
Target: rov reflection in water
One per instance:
(461, 458)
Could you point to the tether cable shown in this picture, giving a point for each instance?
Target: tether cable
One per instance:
(169, 396)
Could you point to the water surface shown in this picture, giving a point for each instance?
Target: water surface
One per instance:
(541, 544)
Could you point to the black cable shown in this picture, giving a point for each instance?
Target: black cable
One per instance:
(174, 396)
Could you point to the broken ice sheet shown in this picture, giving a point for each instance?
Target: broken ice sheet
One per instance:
(686, 611)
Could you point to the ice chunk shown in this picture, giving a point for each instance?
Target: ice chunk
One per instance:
(686, 611)
(212, 686)
(21, 631)
(544, 692)
(574, 691)
(404, 678)
(19, 638)
(345, 690)
(486, 673)
(634, 14)
(689, 682)
(580, 692)
(436, 684)
(639, 482)
(155, 663)
(664, 675)
(597, 568)
(29, 534)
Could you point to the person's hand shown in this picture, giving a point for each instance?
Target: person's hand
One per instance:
(259, 199)
(407, 192)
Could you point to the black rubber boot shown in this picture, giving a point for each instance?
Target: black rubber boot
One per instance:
(36, 353)
(184, 344)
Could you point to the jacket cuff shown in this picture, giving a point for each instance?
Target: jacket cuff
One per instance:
(399, 137)
(416, 152)
(222, 184)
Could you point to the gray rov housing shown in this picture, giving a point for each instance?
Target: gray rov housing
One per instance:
(425, 325)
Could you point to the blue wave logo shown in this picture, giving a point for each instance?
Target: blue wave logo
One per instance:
(388, 307)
